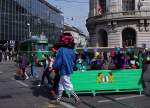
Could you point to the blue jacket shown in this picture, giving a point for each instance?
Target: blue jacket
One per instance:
(64, 61)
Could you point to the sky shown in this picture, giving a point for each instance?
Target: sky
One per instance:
(75, 12)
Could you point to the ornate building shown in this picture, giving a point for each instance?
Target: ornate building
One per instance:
(119, 23)
(80, 38)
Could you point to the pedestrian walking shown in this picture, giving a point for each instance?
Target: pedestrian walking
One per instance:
(64, 63)
(34, 62)
(3, 56)
(23, 62)
(46, 71)
(0, 55)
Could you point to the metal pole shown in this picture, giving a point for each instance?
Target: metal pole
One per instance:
(29, 30)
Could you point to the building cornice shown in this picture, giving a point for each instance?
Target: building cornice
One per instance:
(119, 16)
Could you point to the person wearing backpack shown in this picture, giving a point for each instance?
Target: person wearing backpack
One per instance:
(46, 71)
(34, 62)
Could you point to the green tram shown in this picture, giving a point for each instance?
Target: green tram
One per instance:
(36, 46)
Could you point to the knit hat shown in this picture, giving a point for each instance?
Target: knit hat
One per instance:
(65, 40)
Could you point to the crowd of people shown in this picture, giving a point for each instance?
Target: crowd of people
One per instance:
(112, 59)
(57, 68)
(7, 55)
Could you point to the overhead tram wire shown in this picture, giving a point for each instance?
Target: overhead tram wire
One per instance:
(76, 18)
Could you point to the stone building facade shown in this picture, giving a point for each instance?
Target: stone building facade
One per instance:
(119, 23)
(80, 38)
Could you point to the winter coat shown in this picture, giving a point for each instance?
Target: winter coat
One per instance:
(23, 61)
(64, 61)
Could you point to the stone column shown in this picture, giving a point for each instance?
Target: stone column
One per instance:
(93, 38)
(93, 8)
(114, 39)
(97, 6)
(119, 5)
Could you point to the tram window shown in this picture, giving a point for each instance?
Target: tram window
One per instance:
(42, 47)
(33, 47)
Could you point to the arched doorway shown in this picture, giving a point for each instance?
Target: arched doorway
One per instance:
(128, 37)
(102, 39)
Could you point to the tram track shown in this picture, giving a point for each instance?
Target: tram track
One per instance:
(117, 101)
(87, 104)
(110, 99)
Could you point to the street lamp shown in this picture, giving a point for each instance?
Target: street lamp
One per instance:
(28, 24)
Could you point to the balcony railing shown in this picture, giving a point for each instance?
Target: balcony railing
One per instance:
(121, 15)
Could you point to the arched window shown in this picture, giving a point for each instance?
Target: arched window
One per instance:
(128, 37)
(128, 5)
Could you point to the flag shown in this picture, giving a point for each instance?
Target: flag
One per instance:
(100, 10)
